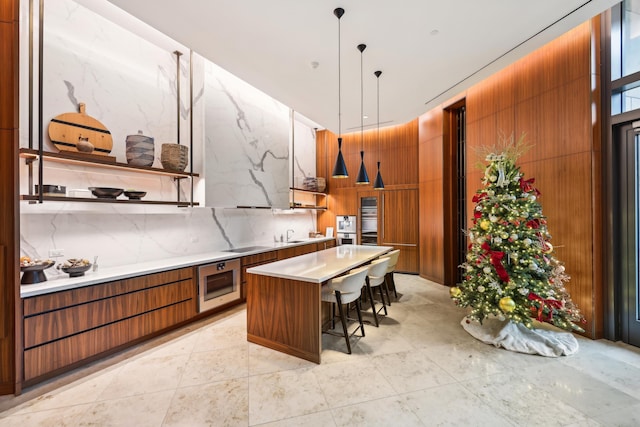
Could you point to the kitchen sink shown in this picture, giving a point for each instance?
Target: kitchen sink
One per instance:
(296, 241)
(247, 249)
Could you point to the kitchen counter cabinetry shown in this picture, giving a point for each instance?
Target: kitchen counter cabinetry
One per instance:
(296, 250)
(65, 329)
(254, 261)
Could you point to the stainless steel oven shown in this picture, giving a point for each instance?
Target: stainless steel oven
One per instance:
(218, 284)
(346, 227)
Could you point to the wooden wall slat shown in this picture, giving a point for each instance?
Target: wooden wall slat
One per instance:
(549, 96)
(10, 344)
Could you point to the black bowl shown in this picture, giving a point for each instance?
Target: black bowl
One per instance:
(76, 271)
(34, 273)
(106, 192)
(135, 195)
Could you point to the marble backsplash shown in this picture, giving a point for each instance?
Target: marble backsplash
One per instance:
(125, 238)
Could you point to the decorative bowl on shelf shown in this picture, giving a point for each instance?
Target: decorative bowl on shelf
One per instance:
(135, 195)
(34, 273)
(75, 267)
(106, 192)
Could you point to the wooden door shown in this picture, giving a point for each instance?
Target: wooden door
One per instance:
(399, 221)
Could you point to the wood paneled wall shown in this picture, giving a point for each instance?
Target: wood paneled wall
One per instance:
(9, 238)
(398, 155)
(549, 96)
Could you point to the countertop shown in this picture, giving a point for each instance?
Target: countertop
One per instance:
(107, 274)
(320, 266)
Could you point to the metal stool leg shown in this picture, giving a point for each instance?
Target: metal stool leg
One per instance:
(344, 321)
(373, 304)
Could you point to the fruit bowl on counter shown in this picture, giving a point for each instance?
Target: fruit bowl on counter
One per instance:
(33, 270)
(75, 267)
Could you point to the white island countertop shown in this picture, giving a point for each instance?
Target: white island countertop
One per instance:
(318, 267)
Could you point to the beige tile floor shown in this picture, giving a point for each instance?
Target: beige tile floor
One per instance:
(420, 368)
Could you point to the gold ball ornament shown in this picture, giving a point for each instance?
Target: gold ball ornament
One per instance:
(507, 304)
(455, 292)
(485, 224)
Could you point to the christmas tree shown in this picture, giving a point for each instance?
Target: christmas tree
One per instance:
(510, 270)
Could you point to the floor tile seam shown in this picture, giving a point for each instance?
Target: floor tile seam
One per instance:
(166, 410)
(605, 380)
(400, 396)
(487, 402)
(250, 375)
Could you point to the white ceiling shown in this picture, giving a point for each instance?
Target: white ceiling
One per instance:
(272, 44)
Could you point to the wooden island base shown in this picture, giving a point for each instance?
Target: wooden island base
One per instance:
(284, 305)
(284, 315)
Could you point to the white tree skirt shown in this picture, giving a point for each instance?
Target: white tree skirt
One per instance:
(542, 339)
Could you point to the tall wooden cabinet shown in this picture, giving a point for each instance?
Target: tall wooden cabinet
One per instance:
(399, 226)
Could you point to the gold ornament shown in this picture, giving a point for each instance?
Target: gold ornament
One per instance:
(455, 292)
(484, 224)
(507, 304)
(548, 248)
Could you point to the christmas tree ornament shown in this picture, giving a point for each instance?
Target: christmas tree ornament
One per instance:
(507, 304)
(455, 292)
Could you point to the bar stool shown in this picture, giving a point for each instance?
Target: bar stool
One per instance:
(388, 278)
(341, 291)
(375, 278)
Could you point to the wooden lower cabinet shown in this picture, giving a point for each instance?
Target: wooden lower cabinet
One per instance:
(253, 261)
(296, 251)
(64, 329)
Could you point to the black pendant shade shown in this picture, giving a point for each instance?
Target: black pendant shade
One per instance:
(378, 184)
(340, 168)
(362, 178)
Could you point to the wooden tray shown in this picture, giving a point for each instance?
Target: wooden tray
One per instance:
(66, 129)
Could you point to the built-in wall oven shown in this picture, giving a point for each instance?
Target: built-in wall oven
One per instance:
(346, 229)
(218, 284)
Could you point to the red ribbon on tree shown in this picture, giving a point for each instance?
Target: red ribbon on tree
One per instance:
(479, 197)
(533, 223)
(527, 186)
(496, 261)
(551, 303)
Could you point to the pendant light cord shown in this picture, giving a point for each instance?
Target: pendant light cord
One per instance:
(361, 103)
(339, 86)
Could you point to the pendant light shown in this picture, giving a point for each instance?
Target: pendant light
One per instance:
(378, 184)
(362, 178)
(340, 168)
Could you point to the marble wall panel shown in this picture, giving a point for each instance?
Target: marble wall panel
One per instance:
(247, 138)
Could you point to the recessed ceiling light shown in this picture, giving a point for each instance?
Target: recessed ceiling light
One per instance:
(314, 64)
(435, 32)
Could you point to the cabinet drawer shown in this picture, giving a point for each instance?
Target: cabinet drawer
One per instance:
(58, 300)
(61, 323)
(63, 353)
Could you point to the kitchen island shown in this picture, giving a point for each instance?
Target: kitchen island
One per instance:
(283, 298)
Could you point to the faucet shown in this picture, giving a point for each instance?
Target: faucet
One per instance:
(292, 231)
